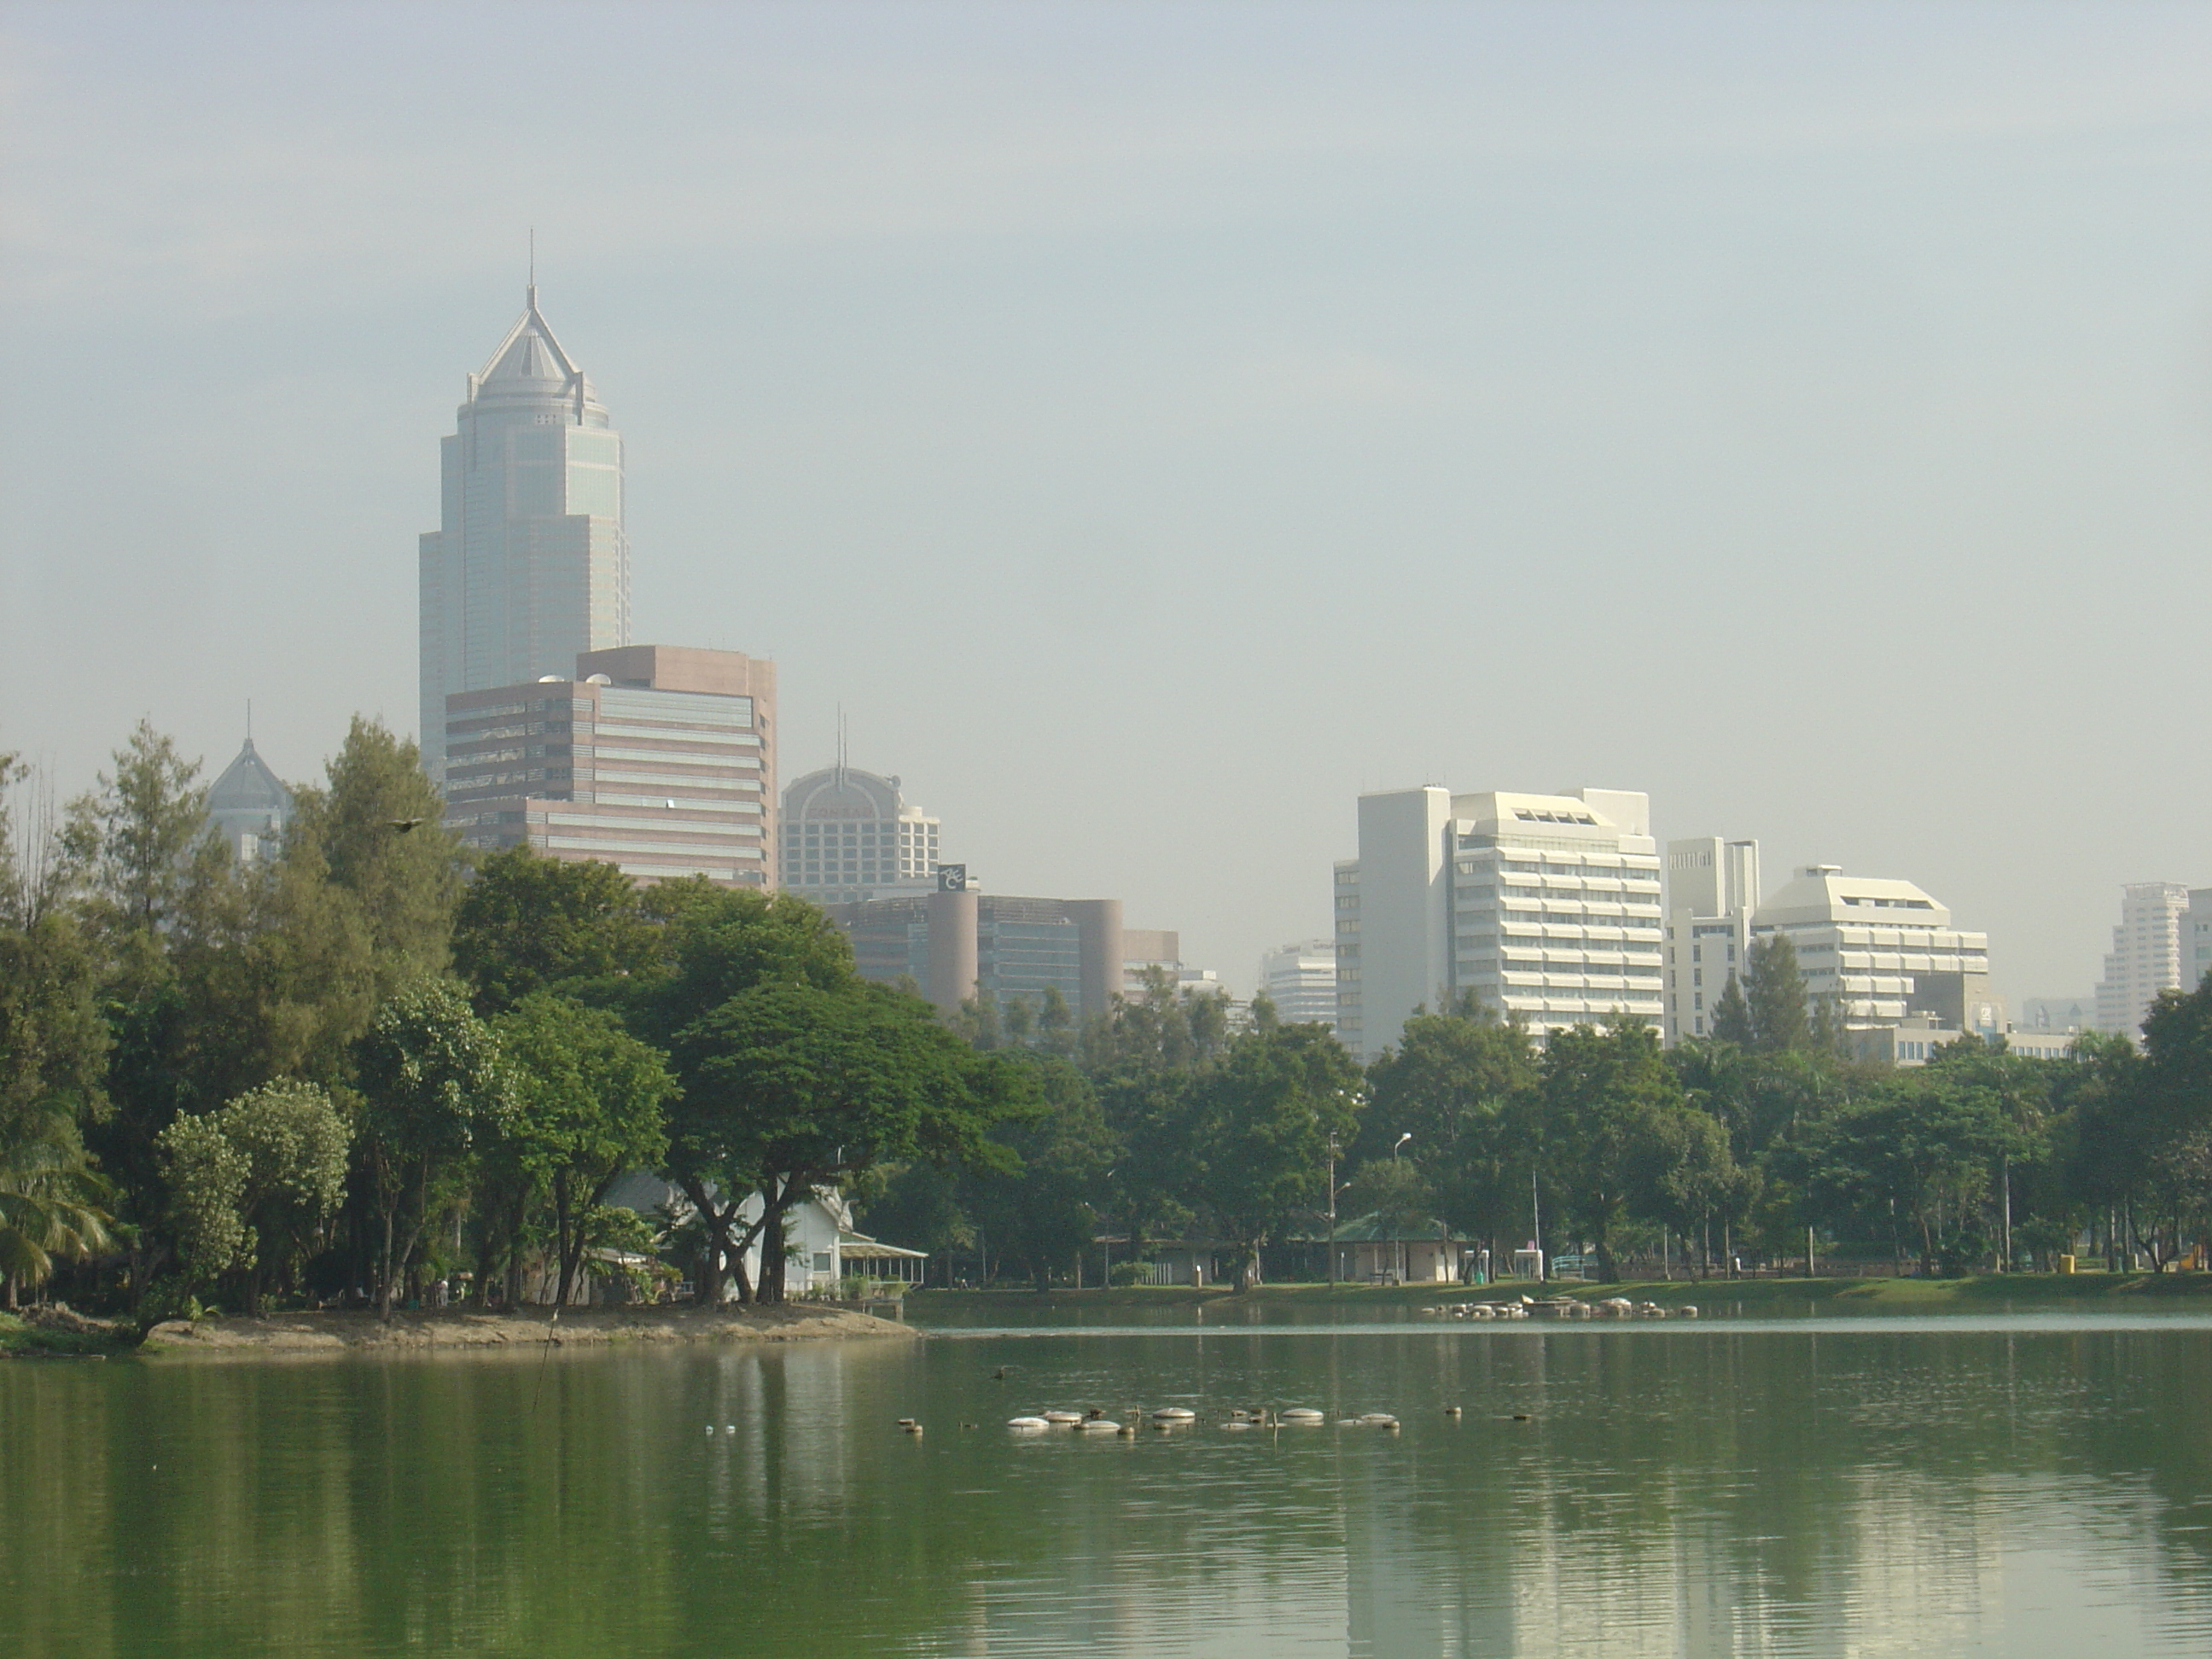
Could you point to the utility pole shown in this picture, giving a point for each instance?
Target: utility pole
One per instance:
(1332, 1213)
(2008, 1211)
(1404, 1264)
(1536, 1214)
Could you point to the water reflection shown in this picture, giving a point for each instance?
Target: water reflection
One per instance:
(1894, 1488)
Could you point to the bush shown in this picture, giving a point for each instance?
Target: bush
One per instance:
(1125, 1274)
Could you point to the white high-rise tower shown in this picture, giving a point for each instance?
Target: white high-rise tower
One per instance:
(529, 566)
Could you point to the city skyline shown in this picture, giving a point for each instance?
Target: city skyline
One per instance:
(1839, 406)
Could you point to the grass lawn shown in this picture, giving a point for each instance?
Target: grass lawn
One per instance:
(21, 1340)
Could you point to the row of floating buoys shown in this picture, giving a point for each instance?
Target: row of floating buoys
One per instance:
(1560, 1307)
(1175, 1417)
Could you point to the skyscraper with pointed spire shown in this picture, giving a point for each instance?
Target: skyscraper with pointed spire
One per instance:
(529, 566)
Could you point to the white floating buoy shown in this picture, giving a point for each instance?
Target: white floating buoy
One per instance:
(1302, 1415)
(1173, 1414)
(1032, 1423)
(1099, 1426)
(1687, 1310)
(1063, 1416)
(1377, 1420)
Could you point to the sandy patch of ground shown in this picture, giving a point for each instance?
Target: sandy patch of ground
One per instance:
(460, 1329)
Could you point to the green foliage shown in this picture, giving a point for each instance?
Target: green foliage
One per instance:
(587, 1102)
(1452, 1083)
(258, 1179)
(1603, 1098)
(787, 1087)
(1731, 1019)
(528, 923)
(433, 1085)
(1775, 991)
(1036, 1208)
(130, 839)
(378, 825)
(52, 1206)
(1259, 1127)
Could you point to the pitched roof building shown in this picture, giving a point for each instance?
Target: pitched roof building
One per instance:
(529, 567)
(249, 806)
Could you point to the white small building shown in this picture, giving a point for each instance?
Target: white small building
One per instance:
(826, 1250)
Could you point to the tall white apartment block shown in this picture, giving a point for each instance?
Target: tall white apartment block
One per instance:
(1300, 979)
(528, 567)
(1545, 906)
(2146, 955)
(2195, 943)
(1880, 951)
(1712, 889)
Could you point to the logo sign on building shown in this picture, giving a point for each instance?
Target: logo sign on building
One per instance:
(951, 877)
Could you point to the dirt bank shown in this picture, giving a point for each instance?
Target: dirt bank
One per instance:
(460, 1330)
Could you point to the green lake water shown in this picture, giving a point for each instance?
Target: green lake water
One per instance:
(1848, 1486)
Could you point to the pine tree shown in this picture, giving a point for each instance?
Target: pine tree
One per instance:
(1732, 1016)
(1775, 990)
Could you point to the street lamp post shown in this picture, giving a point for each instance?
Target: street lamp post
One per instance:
(1332, 1213)
(1403, 1264)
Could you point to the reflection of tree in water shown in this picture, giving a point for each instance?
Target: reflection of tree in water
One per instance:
(1676, 1490)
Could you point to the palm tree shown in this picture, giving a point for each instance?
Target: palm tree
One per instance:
(50, 1199)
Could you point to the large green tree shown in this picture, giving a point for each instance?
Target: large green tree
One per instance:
(529, 923)
(1601, 1095)
(588, 1105)
(1452, 1083)
(1260, 1128)
(788, 1087)
(433, 1083)
(378, 825)
(255, 1183)
(1039, 1212)
(1774, 989)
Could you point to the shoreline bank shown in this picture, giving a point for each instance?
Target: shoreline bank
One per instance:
(454, 1331)
(1933, 1296)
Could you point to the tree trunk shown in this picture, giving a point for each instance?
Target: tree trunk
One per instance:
(383, 1273)
(563, 1227)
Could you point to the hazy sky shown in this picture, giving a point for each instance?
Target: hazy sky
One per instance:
(1156, 424)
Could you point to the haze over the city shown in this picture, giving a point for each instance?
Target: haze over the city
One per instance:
(1154, 425)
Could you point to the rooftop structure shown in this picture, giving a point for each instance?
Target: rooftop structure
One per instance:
(528, 565)
(659, 759)
(848, 836)
(249, 806)
(1880, 949)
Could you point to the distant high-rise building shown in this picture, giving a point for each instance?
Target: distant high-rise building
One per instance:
(1545, 906)
(660, 759)
(1300, 979)
(2195, 946)
(2146, 955)
(528, 566)
(249, 806)
(1712, 889)
(849, 834)
(955, 944)
(1880, 951)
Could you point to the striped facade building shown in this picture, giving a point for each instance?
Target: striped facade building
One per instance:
(657, 759)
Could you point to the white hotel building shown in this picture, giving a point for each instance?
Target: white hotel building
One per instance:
(1545, 906)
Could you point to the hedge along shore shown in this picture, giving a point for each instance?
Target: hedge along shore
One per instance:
(464, 1331)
